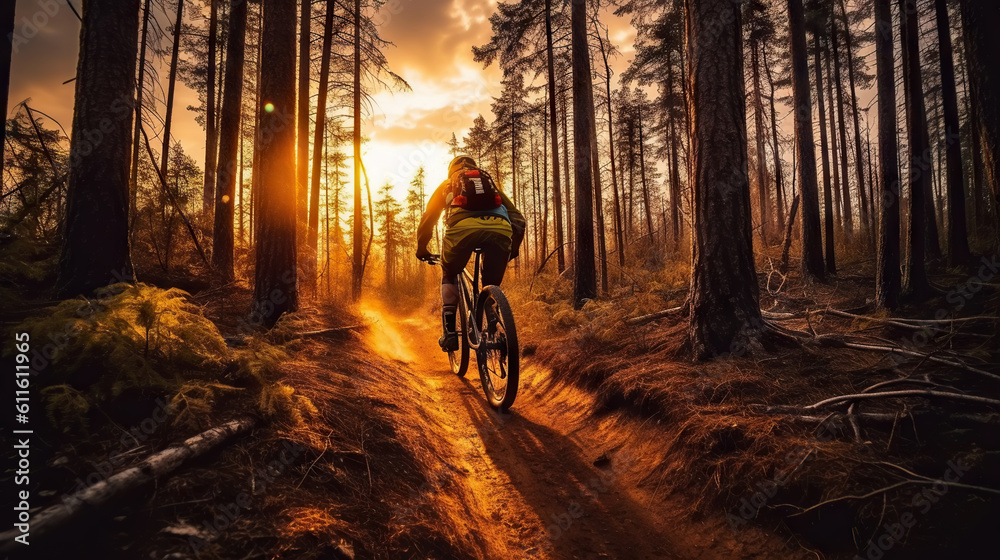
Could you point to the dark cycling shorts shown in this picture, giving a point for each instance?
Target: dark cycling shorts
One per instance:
(491, 233)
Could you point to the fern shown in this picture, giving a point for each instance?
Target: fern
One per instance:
(192, 405)
(66, 408)
(146, 340)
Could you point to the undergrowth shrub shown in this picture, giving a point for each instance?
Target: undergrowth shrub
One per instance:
(543, 304)
(141, 342)
(23, 261)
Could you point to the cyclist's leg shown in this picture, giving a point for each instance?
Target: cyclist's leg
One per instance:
(496, 252)
(455, 253)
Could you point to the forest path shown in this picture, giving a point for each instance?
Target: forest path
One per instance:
(529, 475)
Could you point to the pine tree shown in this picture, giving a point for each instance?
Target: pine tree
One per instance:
(724, 300)
(96, 248)
(229, 137)
(276, 275)
(805, 150)
(887, 273)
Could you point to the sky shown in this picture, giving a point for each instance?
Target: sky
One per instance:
(432, 51)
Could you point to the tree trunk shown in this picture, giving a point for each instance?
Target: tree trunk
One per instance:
(536, 227)
(981, 21)
(545, 190)
(866, 222)
(602, 246)
(828, 205)
(584, 277)
(229, 140)
(724, 301)
(133, 185)
(805, 149)
(320, 130)
(257, 112)
(357, 268)
(630, 155)
(513, 171)
(302, 137)
(95, 249)
(676, 214)
(172, 83)
(619, 193)
(569, 199)
(276, 278)
(642, 177)
(556, 183)
(6, 52)
(834, 144)
(211, 132)
(619, 245)
(887, 274)
(958, 242)
(763, 198)
(919, 145)
(779, 189)
(846, 183)
(242, 182)
(676, 218)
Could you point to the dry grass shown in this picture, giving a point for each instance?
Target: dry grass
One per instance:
(722, 450)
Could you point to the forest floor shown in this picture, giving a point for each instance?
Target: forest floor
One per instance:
(619, 446)
(892, 475)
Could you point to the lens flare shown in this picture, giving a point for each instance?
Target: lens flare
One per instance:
(225, 199)
(269, 107)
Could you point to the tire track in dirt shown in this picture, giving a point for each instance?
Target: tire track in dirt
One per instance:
(531, 482)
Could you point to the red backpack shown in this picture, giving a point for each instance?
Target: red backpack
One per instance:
(474, 189)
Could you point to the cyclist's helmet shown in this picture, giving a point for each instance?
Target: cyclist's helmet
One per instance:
(460, 162)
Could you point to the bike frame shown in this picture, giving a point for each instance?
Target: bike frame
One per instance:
(471, 301)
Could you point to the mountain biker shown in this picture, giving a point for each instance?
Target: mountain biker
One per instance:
(496, 228)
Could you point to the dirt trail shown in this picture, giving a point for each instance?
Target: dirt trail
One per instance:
(530, 475)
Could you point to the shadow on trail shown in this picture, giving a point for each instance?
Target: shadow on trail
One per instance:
(585, 515)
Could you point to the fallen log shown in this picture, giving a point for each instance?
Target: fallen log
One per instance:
(903, 393)
(335, 330)
(802, 415)
(154, 466)
(643, 319)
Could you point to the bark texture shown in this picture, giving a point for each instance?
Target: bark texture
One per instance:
(584, 278)
(229, 138)
(276, 277)
(96, 248)
(805, 148)
(981, 20)
(888, 278)
(724, 305)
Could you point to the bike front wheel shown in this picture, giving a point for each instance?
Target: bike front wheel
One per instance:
(497, 356)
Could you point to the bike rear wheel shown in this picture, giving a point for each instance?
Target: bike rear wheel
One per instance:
(459, 359)
(497, 356)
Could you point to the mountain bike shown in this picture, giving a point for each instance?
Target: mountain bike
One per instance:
(485, 325)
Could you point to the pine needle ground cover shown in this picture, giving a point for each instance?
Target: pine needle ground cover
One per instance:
(323, 474)
(737, 440)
